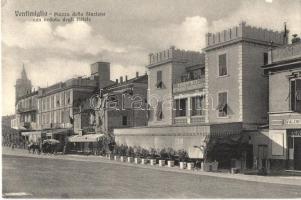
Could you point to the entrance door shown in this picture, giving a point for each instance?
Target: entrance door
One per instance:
(297, 153)
(262, 156)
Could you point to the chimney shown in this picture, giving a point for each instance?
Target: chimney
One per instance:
(137, 74)
(121, 79)
(116, 80)
(126, 78)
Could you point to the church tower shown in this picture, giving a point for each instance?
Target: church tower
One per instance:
(23, 84)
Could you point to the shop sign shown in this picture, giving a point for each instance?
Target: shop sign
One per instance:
(293, 122)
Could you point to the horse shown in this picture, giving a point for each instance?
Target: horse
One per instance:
(34, 147)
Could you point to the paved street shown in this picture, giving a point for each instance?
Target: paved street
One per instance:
(52, 178)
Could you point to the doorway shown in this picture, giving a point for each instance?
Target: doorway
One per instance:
(297, 153)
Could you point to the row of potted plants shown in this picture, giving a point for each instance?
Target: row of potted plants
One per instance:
(153, 156)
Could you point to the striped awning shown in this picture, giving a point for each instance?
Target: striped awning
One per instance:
(85, 138)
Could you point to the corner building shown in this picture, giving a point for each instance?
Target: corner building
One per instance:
(220, 96)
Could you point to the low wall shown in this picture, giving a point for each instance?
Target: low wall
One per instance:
(176, 137)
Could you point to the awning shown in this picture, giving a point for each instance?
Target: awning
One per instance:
(31, 133)
(57, 131)
(85, 138)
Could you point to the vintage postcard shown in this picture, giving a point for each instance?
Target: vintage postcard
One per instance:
(150, 99)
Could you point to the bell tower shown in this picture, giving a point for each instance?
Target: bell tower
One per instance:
(23, 84)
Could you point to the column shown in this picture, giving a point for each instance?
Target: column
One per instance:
(188, 111)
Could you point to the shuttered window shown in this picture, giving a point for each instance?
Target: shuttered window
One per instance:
(159, 113)
(222, 104)
(222, 64)
(159, 83)
(124, 120)
(295, 95)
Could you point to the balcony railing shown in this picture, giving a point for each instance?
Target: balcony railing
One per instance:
(27, 109)
(189, 85)
(286, 52)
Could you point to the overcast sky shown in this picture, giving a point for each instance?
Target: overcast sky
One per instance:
(125, 36)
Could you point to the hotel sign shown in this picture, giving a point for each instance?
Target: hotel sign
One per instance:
(293, 121)
(189, 85)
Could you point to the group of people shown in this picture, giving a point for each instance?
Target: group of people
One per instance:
(42, 147)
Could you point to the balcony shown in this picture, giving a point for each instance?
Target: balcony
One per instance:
(187, 85)
(26, 109)
(287, 52)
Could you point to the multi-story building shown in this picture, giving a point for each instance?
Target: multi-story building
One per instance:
(228, 97)
(236, 87)
(119, 104)
(282, 143)
(26, 109)
(49, 112)
(125, 104)
(175, 85)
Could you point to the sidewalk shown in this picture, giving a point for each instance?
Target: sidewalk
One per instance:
(287, 180)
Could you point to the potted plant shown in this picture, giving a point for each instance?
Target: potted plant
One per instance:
(183, 156)
(116, 152)
(152, 156)
(190, 165)
(163, 157)
(171, 157)
(130, 154)
(137, 154)
(123, 150)
(144, 155)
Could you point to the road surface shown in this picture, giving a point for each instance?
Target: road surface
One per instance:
(27, 177)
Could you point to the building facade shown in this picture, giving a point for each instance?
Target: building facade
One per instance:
(125, 104)
(283, 146)
(175, 85)
(227, 96)
(49, 112)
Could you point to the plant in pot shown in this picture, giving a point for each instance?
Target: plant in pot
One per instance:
(144, 155)
(116, 152)
(137, 154)
(153, 153)
(163, 157)
(130, 154)
(171, 154)
(183, 157)
(123, 150)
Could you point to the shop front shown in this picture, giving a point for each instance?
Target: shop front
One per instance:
(84, 144)
(60, 135)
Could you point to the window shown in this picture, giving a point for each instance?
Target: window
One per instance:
(295, 95)
(197, 105)
(33, 117)
(181, 107)
(159, 113)
(112, 102)
(124, 120)
(159, 83)
(222, 104)
(67, 98)
(62, 98)
(265, 58)
(52, 102)
(57, 98)
(62, 116)
(222, 65)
